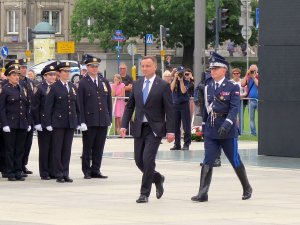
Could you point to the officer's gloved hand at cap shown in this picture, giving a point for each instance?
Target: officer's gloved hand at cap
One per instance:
(83, 127)
(49, 128)
(38, 127)
(6, 129)
(29, 128)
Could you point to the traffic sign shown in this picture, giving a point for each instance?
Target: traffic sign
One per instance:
(28, 53)
(149, 39)
(4, 51)
(162, 52)
(118, 32)
(118, 38)
(66, 47)
(131, 49)
(246, 32)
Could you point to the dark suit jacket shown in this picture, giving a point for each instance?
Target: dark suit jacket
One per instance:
(38, 104)
(61, 107)
(157, 109)
(29, 87)
(95, 102)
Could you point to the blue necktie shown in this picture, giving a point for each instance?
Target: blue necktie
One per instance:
(146, 91)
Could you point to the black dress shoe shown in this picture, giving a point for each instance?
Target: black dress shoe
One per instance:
(11, 179)
(247, 193)
(200, 198)
(4, 175)
(68, 179)
(142, 199)
(175, 148)
(20, 178)
(99, 175)
(26, 171)
(60, 180)
(160, 188)
(52, 177)
(24, 174)
(185, 147)
(46, 178)
(87, 176)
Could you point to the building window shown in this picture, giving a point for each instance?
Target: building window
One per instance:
(54, 18)
(12, 22)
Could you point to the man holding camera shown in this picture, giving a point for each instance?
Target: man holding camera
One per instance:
(179, 87)
(251, 81)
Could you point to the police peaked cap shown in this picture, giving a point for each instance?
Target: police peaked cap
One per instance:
(89, 59)
(217, 60)
(47, 69)
(62, 65)
(23, 62)
(12, 69)
(11, 63)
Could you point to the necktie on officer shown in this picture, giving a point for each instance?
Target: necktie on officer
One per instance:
(95, 82)
(66, 85)
(146, 91)
(216, 86)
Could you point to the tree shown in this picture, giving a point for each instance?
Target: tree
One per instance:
(137, 18)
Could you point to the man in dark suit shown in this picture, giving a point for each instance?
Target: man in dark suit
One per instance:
(38, 113)
(154, 118)
(62, 118)
(95, 102)
(222, 99)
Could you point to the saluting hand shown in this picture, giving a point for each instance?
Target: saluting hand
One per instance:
(123, 132)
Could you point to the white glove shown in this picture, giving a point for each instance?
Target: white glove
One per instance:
(49, 128)
(29, 128)
(38, 127)
(78, 127)
(83, 127)
(6, 129)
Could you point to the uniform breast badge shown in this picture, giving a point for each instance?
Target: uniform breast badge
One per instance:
(25, 92)
(104, 87)
(74, 92)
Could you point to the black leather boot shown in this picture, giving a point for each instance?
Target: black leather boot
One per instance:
(242, 175)
(205, 179)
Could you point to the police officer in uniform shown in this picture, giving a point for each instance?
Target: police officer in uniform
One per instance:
(3, 81)
(96, 115)
(222, 99)
(14, 111)
(29, 86)
(38, 113)
(62, 118)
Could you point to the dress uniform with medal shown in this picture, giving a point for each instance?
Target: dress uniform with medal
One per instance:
(14, 111)
(96, 115)
(62, 118)
(222, 99)
(38, 113)
(29, 87)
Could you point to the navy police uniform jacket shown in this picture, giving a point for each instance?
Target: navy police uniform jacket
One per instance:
(224, 103)
(61, 106)
(38, 104)
(95, 102)
(29, 87)
(14, 107)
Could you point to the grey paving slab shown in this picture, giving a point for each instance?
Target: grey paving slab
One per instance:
(276, 197)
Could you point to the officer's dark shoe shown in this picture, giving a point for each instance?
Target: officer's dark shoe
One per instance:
(98, 175)
(185, 147)
(4, 175)
(205, 179)
(160, 188)
(11, 179)
(175, 147)
(217, 162)
(60, 180)
(68, 179)
(20, 178)
(24, 174)
(87, 176)
(142, 199)
(201, 164)
(46, 178)
(242, 175)
(52, 177)
(26, 171)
